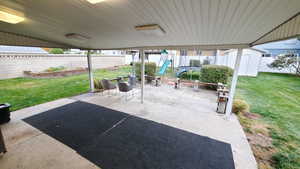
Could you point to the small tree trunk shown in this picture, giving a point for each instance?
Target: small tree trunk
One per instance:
(298, 71)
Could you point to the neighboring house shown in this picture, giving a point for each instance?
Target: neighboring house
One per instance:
(111, 52)
(21, 50)
(275, 49)
(74, 51)
(249, 63)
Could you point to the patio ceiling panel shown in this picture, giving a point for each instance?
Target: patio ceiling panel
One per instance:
(291, 28)
(111, 24)
(20, 40)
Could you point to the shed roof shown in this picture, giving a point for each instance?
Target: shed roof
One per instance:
(291, 44)
(206, 24)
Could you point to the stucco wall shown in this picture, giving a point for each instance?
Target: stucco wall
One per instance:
(13, 65)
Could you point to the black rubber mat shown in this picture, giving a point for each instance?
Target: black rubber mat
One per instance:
(76, 124)
(130, 142)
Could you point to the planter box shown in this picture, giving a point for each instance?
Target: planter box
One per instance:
(63, 73)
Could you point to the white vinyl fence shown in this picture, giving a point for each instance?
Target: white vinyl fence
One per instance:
(249, 63)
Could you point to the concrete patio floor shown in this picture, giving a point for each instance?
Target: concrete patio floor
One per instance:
(29, 148)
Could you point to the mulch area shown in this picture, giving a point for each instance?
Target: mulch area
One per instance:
(258, 135)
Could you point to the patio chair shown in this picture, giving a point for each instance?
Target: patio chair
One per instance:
(125, 88)
(132, 80)
(108, 85)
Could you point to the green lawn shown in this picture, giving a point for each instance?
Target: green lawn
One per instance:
(277, 98)
(25, 92)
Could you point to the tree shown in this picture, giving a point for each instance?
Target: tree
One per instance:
(56, 51)
(287, 61)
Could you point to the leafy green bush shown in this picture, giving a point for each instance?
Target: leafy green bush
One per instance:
(240, 106)
(195, 63)
(56, 51)
(150, 69)
(215, 73)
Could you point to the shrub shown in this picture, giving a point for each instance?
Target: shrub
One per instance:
(56, 51)
(206, 62)
(240, 106)
(150, 69)
(195, 63)
(215, 73)
(188, 75)
(55, 69)
(97, 84)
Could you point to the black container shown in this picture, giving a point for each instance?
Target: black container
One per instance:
(4, 113)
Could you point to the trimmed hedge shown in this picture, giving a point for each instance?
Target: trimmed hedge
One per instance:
(215, 74)
(150, 69)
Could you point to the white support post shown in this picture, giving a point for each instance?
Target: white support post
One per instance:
(234, 82)
(142, 74)
(90, 69)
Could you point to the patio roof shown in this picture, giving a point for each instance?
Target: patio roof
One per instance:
(202, 24)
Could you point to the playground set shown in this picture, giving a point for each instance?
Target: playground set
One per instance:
(168, 61)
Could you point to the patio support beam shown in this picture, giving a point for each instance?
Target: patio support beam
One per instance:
(142, 55)
(90, 69)
(234, 82)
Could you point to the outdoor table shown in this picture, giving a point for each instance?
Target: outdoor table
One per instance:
(222, 102)
(118, 78)
(177, 83)
(224, 90)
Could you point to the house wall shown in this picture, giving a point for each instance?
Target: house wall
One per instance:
(13, 65)
(249, 63)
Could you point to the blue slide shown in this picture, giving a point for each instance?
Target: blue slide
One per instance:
(164, 67)
(181, 70)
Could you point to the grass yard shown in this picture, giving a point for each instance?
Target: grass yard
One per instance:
(276, 97)
(25, 92)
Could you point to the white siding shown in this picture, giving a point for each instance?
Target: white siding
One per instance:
(249, 63)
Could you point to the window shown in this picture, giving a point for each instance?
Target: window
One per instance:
(266, 55)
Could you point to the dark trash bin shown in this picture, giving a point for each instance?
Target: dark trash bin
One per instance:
(4, 113)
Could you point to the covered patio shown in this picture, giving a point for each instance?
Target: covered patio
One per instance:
(159, 127)
(172, 129)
